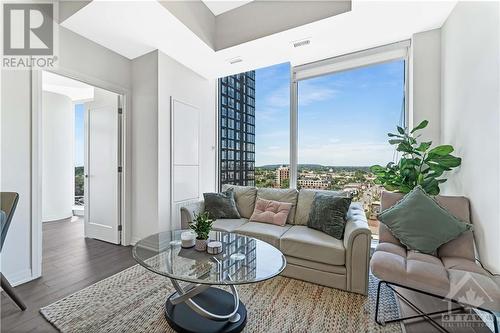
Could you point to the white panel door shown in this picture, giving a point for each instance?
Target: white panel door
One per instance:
(185, 130)
(101, 168)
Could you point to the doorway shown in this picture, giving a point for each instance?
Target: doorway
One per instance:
(81, 158)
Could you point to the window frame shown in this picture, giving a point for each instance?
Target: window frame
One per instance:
(373, 56)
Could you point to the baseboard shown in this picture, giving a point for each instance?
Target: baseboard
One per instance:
(134, 239)
(21, 277)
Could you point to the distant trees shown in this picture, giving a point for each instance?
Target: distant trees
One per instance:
(79, 181)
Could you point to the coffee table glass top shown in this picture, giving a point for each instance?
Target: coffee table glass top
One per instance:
(243, 259)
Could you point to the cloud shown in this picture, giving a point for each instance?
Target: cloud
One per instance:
(312, 92)
(278, 98)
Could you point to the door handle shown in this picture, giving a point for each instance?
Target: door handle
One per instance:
(86, 176)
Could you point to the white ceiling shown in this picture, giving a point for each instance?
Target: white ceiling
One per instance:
(77, 91)
(133, 28)
(221, 6)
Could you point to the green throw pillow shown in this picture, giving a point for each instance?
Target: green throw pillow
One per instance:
(420, 223)
(328, 214)
(221, 205)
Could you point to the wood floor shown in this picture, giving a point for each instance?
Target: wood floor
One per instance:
(70, 263)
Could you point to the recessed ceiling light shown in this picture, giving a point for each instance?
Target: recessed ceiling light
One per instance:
(235, 60)
(301, 42)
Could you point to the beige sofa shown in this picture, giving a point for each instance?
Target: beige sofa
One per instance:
(311, 255)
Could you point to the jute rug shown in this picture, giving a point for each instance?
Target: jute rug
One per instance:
(133, 301)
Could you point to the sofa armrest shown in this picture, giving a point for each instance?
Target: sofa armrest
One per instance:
(188, 211)
(357, 240)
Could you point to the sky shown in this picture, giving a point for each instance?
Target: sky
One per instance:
(79, 144)
(343, 118)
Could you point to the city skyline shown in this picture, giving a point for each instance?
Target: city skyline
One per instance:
(343, 118)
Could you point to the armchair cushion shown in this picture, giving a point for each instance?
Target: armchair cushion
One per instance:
(420, 223)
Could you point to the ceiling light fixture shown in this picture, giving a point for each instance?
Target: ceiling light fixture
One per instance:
(235, 60)
(301, 42)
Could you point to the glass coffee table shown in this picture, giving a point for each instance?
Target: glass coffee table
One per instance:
(197, 305)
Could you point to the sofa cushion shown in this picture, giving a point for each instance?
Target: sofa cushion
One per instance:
(270, 211)
(282, 195)
(244, 197)
(420, 223)
(221, 205)
(305, 243)
(337, 269)
(304, 204)
(228, 225)
(268, 233)
(329, 213)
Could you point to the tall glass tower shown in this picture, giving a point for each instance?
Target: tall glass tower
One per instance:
(237, 129)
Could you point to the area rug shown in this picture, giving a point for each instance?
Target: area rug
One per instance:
(133, 301)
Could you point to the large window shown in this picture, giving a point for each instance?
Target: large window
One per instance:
(237, 129)
(343, 121)
(321, 128)
(254, 111)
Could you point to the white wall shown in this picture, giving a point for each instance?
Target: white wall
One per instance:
(145, 146)
(157, 77)
(15, 155)
(181, 83)
(58, 160)
(425, 83)
(79, 58)
(470, 116)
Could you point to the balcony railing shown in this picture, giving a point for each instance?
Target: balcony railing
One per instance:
(79, 200)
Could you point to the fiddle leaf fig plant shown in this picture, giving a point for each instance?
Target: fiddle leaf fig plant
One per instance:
(419, 163)
(202, 224)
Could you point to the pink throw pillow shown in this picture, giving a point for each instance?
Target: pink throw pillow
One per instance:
(269, 211)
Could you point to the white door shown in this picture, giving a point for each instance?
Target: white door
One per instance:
(185, 128)
(102, 158)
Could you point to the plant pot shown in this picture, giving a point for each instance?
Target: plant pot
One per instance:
(201, 245)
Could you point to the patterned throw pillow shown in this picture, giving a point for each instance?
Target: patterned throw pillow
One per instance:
(420, 223)
(269, 211)
(221, 205)
(328, 214)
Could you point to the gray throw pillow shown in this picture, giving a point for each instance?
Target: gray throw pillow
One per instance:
(328, 214)
(221, 205)
(420, 223)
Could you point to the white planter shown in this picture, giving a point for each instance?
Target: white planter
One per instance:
(201, 245)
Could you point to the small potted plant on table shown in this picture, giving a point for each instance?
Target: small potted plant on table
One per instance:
(201, 225)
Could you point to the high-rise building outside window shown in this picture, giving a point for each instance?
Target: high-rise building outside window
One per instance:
(237, 129)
